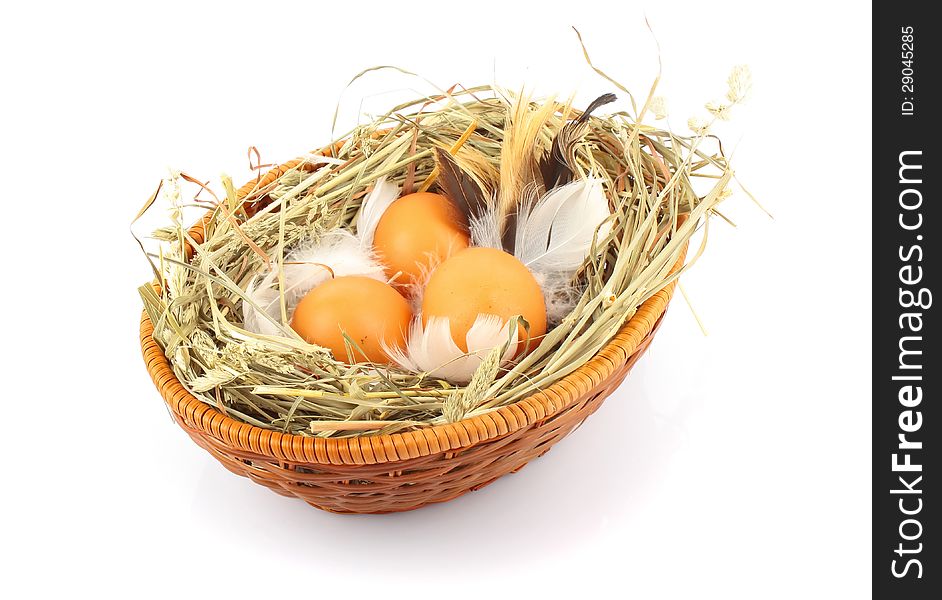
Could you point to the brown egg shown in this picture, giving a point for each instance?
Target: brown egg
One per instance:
(484, 280)
(369, 311)
(417, 232)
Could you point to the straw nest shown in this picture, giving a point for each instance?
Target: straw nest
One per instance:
(662, 188)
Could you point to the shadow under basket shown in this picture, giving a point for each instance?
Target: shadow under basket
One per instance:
(404, 471)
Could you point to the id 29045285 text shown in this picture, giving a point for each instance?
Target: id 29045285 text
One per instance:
(908, 70)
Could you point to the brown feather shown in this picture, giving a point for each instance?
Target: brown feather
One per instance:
(460, 187)
(556, 166)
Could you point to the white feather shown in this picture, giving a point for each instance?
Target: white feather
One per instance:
(554, 237)
(306, 267)
(430, 349)
(560, 293)
(555, 234)
(485, 227)
(374, 206)
(415, 291)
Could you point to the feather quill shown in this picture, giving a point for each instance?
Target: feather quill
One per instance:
(431, 349)
(335, 254)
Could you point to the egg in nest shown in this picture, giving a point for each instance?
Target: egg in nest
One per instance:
(372, 313)
(417, 232)
(484, 281)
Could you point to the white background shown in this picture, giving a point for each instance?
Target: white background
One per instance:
(735, 465)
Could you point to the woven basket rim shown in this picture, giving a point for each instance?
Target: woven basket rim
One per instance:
(395, 447)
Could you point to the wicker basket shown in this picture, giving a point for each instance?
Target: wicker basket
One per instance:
(404, 471)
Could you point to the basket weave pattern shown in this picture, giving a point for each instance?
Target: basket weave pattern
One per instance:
(404, 471)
